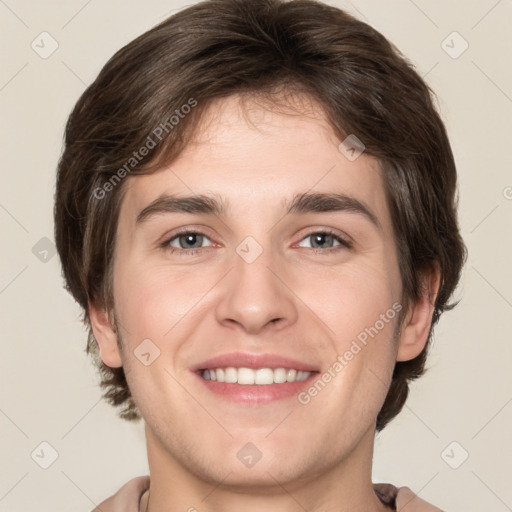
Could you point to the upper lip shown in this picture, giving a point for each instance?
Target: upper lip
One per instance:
(254, 361)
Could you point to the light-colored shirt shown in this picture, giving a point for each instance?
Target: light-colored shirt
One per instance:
(127, 499)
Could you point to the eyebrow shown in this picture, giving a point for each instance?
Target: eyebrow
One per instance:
(307, 202)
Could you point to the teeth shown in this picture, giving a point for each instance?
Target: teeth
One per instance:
(245, 376)
(279, 375)
(231, 375)
(261, 376)
(264, 376)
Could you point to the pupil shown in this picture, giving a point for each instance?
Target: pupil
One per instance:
(191, 239)
(321, 238)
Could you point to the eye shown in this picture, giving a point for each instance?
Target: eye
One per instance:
(190, 242)
(325, 240)
(187, 240)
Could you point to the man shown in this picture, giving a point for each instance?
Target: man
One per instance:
(301, 157)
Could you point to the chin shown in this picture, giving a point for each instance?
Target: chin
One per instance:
(263, 475)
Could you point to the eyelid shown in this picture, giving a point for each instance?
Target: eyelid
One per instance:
(310, 230)
(185, 230)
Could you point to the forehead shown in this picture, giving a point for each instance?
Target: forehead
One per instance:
(253, 153)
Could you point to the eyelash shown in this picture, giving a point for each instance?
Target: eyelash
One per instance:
(344, 244)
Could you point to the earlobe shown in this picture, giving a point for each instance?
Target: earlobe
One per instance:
(105, 335)
(416, 325)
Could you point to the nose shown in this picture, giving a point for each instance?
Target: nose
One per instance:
(255, 296)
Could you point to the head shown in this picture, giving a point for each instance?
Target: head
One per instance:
(250, 111)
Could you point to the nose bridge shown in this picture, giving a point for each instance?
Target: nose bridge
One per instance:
(254, 295)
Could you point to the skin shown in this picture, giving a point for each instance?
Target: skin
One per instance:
(292, 301)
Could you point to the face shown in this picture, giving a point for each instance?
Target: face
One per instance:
(257, 317)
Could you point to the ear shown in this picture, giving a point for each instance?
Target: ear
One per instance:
(105, 335)
(416, 325)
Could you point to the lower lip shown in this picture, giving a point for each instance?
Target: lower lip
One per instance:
(256, 394)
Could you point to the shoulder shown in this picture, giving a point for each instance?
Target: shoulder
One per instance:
(402, 498)
(127, 498)
(405, 497)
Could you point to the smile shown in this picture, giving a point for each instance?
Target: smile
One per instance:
(259, 376)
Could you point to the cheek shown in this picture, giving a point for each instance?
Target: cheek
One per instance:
(151, 301)
(360, 305)
(362, 354)
(352, 298)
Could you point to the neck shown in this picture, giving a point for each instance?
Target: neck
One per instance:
(344, 487)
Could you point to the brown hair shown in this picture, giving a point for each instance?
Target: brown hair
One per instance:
(218, 48)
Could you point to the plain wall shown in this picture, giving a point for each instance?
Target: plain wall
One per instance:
(49, 388)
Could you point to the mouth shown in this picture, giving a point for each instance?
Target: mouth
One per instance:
(254, 379)
(259, 377)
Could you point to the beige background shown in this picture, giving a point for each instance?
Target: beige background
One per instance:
(49, 389)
